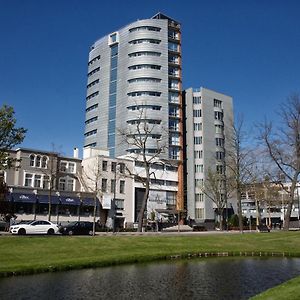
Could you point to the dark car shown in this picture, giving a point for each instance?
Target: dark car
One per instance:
(79, 227)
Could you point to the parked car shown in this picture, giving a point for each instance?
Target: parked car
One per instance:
(79, 227)
(34, 227)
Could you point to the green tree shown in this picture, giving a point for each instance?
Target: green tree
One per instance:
(10, 136)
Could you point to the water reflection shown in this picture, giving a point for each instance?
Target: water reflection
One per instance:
(211, 278)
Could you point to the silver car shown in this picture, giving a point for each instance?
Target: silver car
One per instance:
(34, 227)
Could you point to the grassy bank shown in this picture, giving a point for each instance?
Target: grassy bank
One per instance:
(27, 255)
(288, 290)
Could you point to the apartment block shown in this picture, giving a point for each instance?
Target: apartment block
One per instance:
(208, 115)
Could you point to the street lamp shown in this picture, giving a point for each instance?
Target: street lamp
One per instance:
(58, 207)
(114, 201)
(79, 211)
(35, 204)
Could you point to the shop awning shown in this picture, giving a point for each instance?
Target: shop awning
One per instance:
(89, 202)
(24, 198)
(45, 199)
(70, 200)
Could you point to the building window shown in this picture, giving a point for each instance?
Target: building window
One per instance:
(112, 185)
(91, 120)
(89, 133)
(94, 60)
(142, 28)
(145, 94)
(113, 38)
(144, 53)
(197, 140)
(91, 107)
(218, 115)
(66, 184)
(94, 71)
(220, 155)
(92, 83)
(28, 179)
(199, 182)
(198, 154)
(46, 182)
(37, 181)
(144, 79)
(71, 167)
(174, 84)
(63, 166)
(219, 129)
(122, 186)
(220, 142)
(32, 159)
(44, 162)
(104, 165)
(119, 204)
(62, 184)
(104, 185)
(122, 168)
(38, 161)
(144, 41)
(113, 166)
(92, 95)
(197, 100)
(144, 66)
(217, 103)
(174, 97)
(197, 113)
(173, 47)
(197, 126)
(173, 59)
(199, 197)
(198, 168)
(68, 167)
(199, 213)
(220, 169)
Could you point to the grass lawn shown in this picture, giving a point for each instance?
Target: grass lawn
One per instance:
(34, 254)
(288, 290)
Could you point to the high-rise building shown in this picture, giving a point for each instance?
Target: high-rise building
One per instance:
(208, 115)
(134, 74)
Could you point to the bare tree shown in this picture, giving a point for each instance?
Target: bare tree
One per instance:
(282, 146)
(90, 179)
(239, 160)
(267, 195)
(218, 190)
(138, 138)
(51, 173)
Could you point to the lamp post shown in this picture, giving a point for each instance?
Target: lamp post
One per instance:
(58, 207)
(114, 201)
(35, 204)
(297, 187)
(79, 210)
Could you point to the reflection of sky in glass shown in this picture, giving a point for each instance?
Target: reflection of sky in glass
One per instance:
(211, 278)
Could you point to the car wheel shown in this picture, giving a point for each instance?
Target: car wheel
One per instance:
(21, 231)
(50, 231)
(70, 232)
(91, 232)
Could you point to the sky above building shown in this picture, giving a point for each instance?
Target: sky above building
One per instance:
(249, 50)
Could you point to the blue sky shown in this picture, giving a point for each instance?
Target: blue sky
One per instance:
(249, 50)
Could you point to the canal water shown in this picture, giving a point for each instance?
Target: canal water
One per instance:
(206, 278)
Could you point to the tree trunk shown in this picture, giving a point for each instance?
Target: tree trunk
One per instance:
(287, 215)
(94, 217)
(239, 203)
(49, 205)
(143, 208)
(221, 220)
